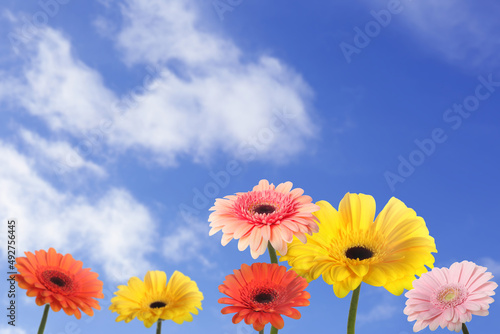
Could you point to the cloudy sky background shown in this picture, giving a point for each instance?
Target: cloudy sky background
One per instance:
(122, 121)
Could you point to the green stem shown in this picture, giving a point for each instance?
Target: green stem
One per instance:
(261, 331)
(272, 253)
(274, 259)
(158, 327)
(44, 319)
(351, 321)
(464, 329)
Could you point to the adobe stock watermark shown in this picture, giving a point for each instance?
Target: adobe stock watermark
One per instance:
(223, 6)
(33, 26)
(363, 37)
(95, 136)
(454, 118)
(12, 247)
(247, 151)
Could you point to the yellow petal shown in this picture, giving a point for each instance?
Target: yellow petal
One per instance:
(397, 287)
(328, 217)
(358, 211)
(359, 269)
(155, 281)
(376, 276)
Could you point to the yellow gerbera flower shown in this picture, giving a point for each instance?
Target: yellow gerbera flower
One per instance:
(154, 299)
(351, 247)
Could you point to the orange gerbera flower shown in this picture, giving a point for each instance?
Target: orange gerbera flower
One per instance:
(262, 292)
(60, 281)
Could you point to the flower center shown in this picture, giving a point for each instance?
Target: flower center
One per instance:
(265, 296)
(359, 253)
(264, 209)
(157, 305)
(56, 280)
(449, 295)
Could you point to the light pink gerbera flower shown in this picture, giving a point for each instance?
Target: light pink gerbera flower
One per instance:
(265, 214)
(449, 297)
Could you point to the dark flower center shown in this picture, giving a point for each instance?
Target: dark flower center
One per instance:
(157, 305)
(58, 281)
(54, 279)
(263, 298)
(358, 252)
(264, 209)
(264, 295)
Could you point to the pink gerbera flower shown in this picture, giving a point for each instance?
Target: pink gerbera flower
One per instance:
(449, 297)
(265, 214)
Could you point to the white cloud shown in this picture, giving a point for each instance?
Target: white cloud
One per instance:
(218, 101)
(464, 33)
(188, 242)
(380, 312)
(492, 265)
(222, 109)
(59, 88)
(206, 97)
(57, 156)
(106, 3)
(12, 330)
(158, 31)
(113, 229)
(104, 27)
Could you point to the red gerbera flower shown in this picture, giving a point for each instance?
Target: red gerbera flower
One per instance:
(265, 214)
(262, 292)
(60, 281)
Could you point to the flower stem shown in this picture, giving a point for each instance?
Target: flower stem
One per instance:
(158, 327)
(272, 253)
(351, 321)
(261, 331)
(464, 329)
(44, 319)
(274, 259)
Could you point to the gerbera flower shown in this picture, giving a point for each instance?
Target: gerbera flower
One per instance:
(265, 214)
(351, 247)
(261, 293)
(60, 281)
(154, 299)
(449, 297)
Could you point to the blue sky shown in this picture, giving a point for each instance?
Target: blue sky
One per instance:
(122, 121)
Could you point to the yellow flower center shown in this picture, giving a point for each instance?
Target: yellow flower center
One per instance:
(449, 295)
(365, 246)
